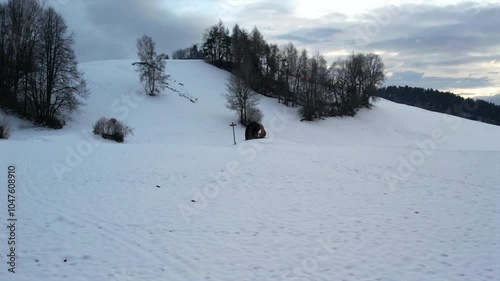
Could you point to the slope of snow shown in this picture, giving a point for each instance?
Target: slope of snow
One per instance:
(395, 193)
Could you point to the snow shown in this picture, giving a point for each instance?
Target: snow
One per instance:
(395, 193)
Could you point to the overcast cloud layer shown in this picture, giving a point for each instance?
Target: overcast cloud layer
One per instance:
(451, 46)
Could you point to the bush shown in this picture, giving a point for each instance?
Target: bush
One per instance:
(55, 123)
(50, 122)
(4, 129)
(112, 129)
(254, 115)
(100, 125)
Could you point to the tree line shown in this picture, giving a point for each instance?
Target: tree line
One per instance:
(443, 102)
(293, 76)
(39, 78)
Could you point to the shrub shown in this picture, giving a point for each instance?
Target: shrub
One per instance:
(4, 129)
(55, 123)
(112, 129)
(254, 115)
(50, 122)
(99, 126)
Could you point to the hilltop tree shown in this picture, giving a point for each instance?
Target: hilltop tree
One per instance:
(288, 57)
(151, 66)
(239, 46)
(217, 45)
(257, 49)
(271, 68)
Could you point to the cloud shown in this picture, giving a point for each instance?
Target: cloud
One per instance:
(461, 41)
(444, 43)
(418, 79)
(441, 41)
(109, 29)
(309, 35)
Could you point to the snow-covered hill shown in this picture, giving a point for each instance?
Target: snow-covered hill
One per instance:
(395, 193)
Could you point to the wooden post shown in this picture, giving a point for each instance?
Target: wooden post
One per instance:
(234, 135)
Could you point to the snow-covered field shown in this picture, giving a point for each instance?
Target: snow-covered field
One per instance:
(395, 193)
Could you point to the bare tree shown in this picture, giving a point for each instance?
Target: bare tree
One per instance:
(289, 58)
(19, 31)
(374, 69)
(39, 78)
(54, 86)
(240, 96)
(151, 66)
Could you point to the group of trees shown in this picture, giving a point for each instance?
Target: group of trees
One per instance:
(192, 52)
(292, 76)
(443, 102)
(39, 78)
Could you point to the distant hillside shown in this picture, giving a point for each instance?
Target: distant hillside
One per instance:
(443, 102)
(494, 99)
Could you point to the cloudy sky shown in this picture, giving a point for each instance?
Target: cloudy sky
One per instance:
(443, 44)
